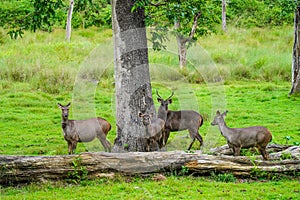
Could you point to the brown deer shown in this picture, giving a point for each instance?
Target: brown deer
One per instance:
(179, 120)
(154, 130)
(83, 130)
(237, 138)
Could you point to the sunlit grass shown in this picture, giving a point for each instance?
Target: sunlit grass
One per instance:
(171, 188)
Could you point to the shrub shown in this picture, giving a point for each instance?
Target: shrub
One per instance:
(223, 177)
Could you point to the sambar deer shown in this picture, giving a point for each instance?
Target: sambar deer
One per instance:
(237, 138)
(154, 130)
(83, 130)
(179, 120)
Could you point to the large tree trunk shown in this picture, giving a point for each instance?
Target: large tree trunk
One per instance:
(132, 78)
(24, 169)
(296, 54)
(69, 21)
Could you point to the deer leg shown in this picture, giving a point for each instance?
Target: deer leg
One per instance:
(166, 135)
(162, 140)
(148, 145)
(156, 143)
(106, 144)
(263, 152)
(69, 148)
(199, 138)
(191, 144)
(195, 135)
(74, 145)
(236, 150)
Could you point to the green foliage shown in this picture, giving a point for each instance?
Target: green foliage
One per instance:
(89, 13)
(226, 177)
(163, 15)
(184, 170)
(258, 174)
(258, 13)
(44, 13)
(17, 16)
(79, 172)
(286, 156)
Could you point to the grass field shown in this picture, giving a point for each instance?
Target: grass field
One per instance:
(171, 188)
(248, 74)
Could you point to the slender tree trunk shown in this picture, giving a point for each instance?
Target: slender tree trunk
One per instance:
(132, 78)
(182, 48)
(296, 54)
(69, 20)
(224, 15)
(183, 40)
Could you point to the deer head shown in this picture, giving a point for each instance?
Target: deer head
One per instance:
(164, 103)
(146, 118)
(64, 110)
(219, 118)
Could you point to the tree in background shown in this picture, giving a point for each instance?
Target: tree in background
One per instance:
(69, 21)
(190, 19)
(296, 54)
(17, 16)
(36, 14)
(224, 15)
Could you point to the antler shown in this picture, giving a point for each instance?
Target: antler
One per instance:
(158, 94)
(170, 96)
(162, 98)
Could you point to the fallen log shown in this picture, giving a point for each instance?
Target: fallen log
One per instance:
(271, 148)
(24, 169)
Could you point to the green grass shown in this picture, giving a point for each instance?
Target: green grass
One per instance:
(171, 188)
(42, 69)
(30, 120)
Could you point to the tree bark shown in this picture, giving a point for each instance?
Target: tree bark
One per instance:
(69, 21)
(182, 50)
(132, 78)
(224, 15)
(181, 44)
(182, 40)
(296, 54)
(24, 169)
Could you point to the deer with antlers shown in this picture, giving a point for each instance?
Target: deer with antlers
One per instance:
(179, 120)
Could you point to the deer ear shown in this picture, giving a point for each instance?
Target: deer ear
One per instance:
(159, 100)
(218, 112)
(225, 113)
(59, 105)
(140, 114)
(170, 101)
(69, 104)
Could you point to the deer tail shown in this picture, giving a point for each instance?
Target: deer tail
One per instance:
(200, 121)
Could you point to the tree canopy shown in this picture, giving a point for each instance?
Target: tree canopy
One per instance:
(17, 16)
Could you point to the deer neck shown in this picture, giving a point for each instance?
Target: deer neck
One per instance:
(64, 122)
(147, 130)
(162, 113)
(223, 128)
